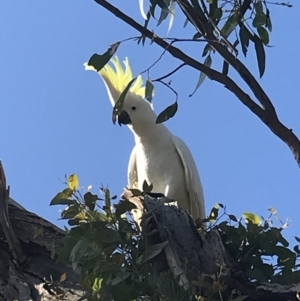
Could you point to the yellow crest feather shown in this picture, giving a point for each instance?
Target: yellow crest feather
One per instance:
(120, 77)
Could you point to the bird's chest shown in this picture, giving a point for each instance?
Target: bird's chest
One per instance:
(155, 165)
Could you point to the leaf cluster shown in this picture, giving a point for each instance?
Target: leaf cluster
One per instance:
(258, 247)
(114, 259)
(104, 244)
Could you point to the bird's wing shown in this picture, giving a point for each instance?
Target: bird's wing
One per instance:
(192, 179)
(132, 170)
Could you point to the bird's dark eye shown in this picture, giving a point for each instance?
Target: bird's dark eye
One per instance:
(133, 108)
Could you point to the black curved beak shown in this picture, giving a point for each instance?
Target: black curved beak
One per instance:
(123, 118)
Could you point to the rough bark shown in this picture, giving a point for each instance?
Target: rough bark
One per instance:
(28, 266)
(203, 254)
(29, 269)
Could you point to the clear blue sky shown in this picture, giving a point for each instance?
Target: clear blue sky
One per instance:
(55, 118)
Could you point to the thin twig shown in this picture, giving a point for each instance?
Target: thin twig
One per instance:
(169, 74)
(266, 116)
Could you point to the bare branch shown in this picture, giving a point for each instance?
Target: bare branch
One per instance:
(267, 115)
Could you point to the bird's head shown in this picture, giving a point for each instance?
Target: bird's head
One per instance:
(136, 111)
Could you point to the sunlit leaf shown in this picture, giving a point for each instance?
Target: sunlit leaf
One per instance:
(73, 182)
(167, 113)
(252, 218)
(202, 76)
(97, 284)
(172, 15)
(63, 277)
(142, 11)
(119, 104)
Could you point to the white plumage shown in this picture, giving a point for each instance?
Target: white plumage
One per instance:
(158, 156)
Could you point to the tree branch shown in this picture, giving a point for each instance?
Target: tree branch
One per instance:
(267, 115)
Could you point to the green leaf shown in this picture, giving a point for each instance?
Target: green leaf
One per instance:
(206, 49)
(119, 104)
(230, 25)
(147, 188)
(197, 35)
(225, 67)
(263, 34)
(149, 91)
(217, 14)
(151, 252)
(258, 275)
(123, 207)
(268, 21)
(90, 200)
(135, 192)
(297, 239)
(244, 38)
(70, 212)
(260, 55)
(73, 182)
(163, 15)
(121, 276)
(98, 61)
(252, 218)
(232, 217)
(259, 20)
(68, 191)
(167, 113)
(61, 199)
(258, 7)
(202, 76)
(185, 22)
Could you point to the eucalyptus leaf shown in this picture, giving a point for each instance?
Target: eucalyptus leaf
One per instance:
(98, 61)
(167, 113)
(61, 199)
(252, 218)
(142, 11)
(263, 34)
(172, 15)
(230, 25)
(260, 55)
(119, 103)
(149, 90)
(152, 252)
(202, 76)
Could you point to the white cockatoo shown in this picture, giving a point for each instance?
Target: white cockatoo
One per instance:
(158, 156)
